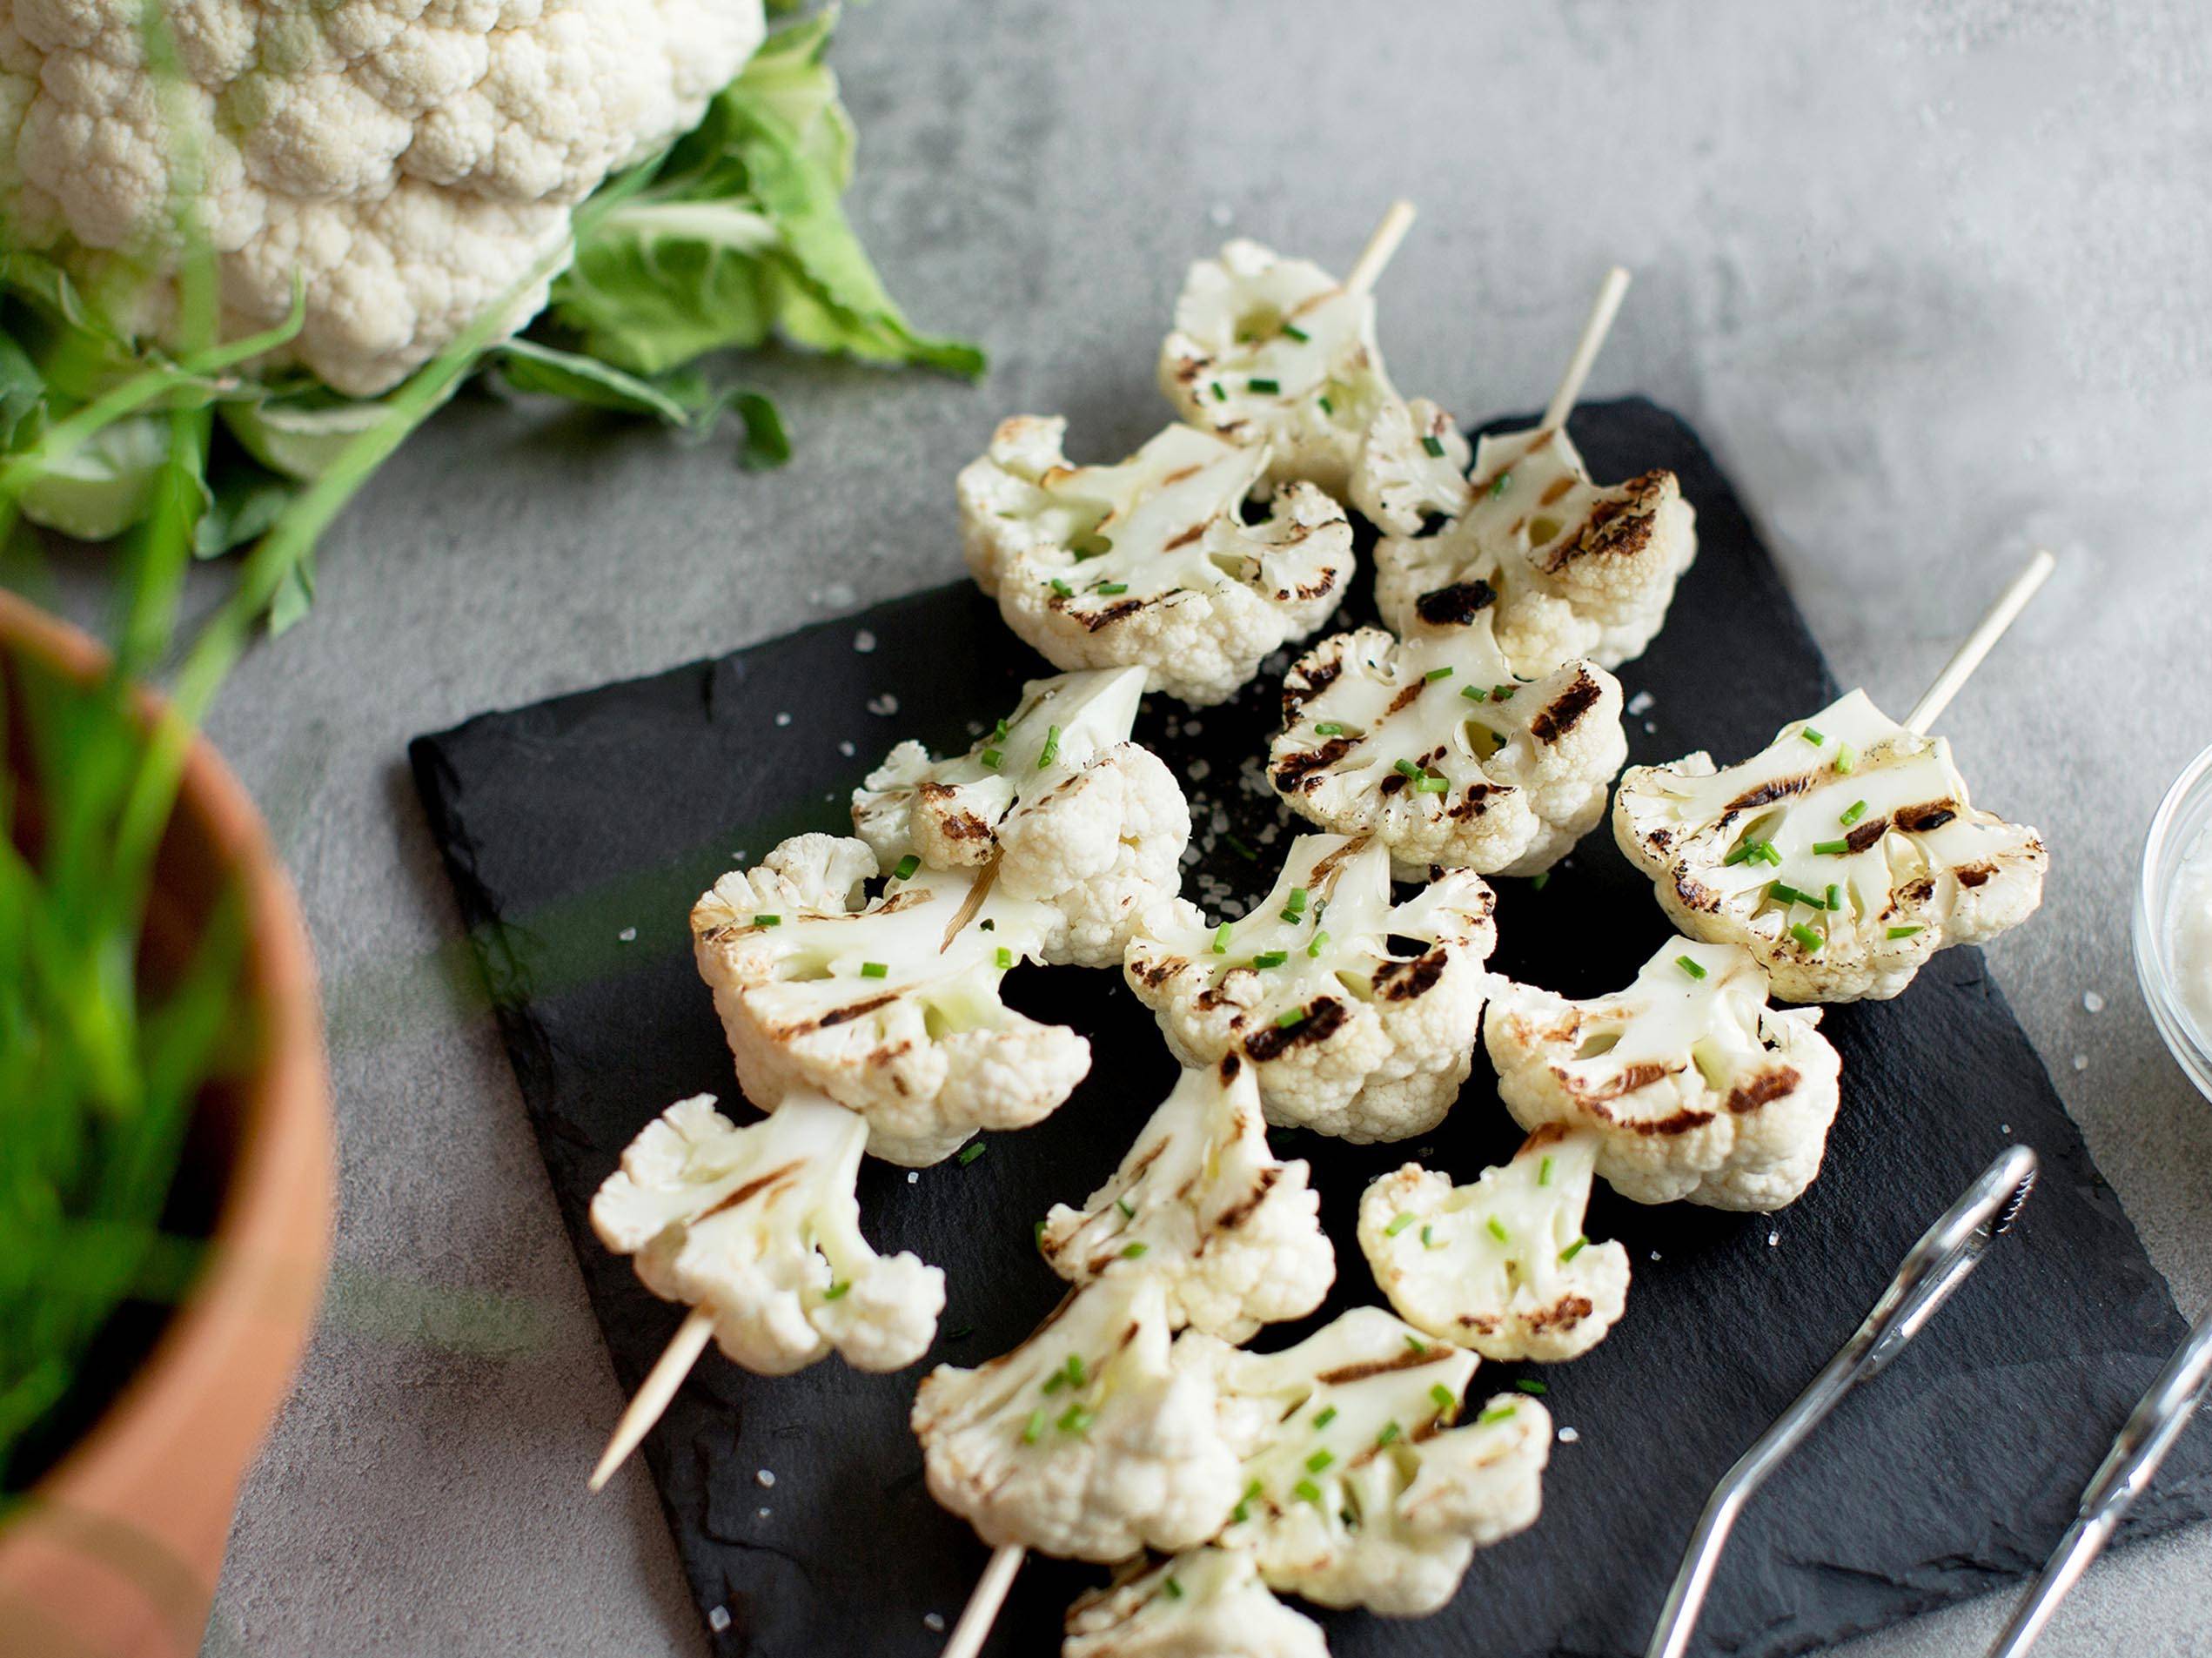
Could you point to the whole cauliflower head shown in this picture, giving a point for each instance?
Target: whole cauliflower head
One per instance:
(412, 163)
(1272, 351)
(1358, 1488)
(1202, 1603)
(1501, 1266)
(758, 1225)
(1562, 567)
(1357, 1016)
(1079, 817)
(1842, 855)
(1233, 1232)
(888, 1005)
(1436, 749)
(1697, 1090)
(1084, 1441)
(1150, 562)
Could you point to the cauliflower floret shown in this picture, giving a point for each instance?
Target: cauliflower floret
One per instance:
(1433, 747)
(1563, 568)
(1150, 562)
(1348, 1037)
(758, 1225)
(1270, 351)
(1842, 855)
(1203, 1603)
(1083, 1441)
(410, 165)
(1412, 467)
(1357, 1491)
(1698, 1090)
(891, 1006)
(1502, 1265)
(1078, 816)
(1233, 1232)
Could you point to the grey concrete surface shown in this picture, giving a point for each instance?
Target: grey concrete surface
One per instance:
(1928, 272)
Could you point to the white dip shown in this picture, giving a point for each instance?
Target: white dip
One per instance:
(2190, 928)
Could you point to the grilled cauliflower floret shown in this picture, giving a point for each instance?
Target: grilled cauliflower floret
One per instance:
(1357, 1491)
(1432, 746)
(891, 1006)
(758, 1225)
(1697, 1090)
(1412, 467)
(1563, 568)
(1205, 1603)
(1078, 816)
(1500, 1265)
(1272, 351)
(1083, 1441)
(1233, 1231)
(1348, 1037)
(1150, 562)
(1842, 855)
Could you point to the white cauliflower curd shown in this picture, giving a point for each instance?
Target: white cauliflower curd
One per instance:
(1842, 855)
(408, 165)
(758, 1225)
(890, 1006)
(1562, 567)
(1358, 1017)
(1077, 815)
(1500, 1265)
(1697, 1090)
(1084, 1441)
(1273, 351)
(1358, 1488)
(1203, 1603)
(1150, 562)
(1436, 749)
(1233, 1232)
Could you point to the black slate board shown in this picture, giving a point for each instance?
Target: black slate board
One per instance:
(565, 823)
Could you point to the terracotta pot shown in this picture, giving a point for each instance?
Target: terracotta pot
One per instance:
(116, 1550)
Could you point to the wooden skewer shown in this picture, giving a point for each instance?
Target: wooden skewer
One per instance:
(1981, 642)
(982, 1611)
(1396, 220)
(1603, 310)
(660, 1386)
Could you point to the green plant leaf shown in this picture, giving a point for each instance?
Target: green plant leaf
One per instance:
(244, 501)
(103, 487)
(299, 437)
(683, 398)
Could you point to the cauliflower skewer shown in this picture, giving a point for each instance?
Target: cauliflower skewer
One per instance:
(1206, 1603)
(1846, 853)
(1432, 746)
(1078, 816)
(1350, 1032)
(1274, 351)
(1697, 1090)
(1502, 1265)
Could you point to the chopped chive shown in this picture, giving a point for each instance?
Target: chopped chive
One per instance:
(1831, 849)
(1474, 693)
(970, 1152)
(1290, 1018)
(1111, 589)
(1836, 895)
(1051, 752)
(1782, 892)
(1306, 1491)
(999, 731)
(1852, 813)
(993, 758)
(1811, 736)
(1060, 587)
(1437, 674)
(1846, 757)
(1005, 958)
(836, 1290)
(1744, 851)
(1134, 1251)
(1073, 1370)
(1129, 1209)
(1416, 1344)
(1221, 394)
(1298, 898)
(1297, 333)
(1329, 728)
(1540, 880)
(1398, 1224)
(1056, 1381)
(1391, 1431)
(1691, 965)
(1038, 1231)
(1327, 407)
(1530, 1384)
(1314, 948)
(1495, 1414)
(1406, 769)
(1807, 937)
(1496, 1228)
(1292, 916)
(1433, 444)
(1173, 1589)
(1265, 387)
(1573, 1250)
(1544, 1172)
(1504, 482)
(905, 866)
(1902, 932)
(1033, 1430)
(1075, 1419)
(1240, 849)
(874, 970)
(768, 920)
(1428, 1238)
(1319, 1461)
(1267, 958)
(1323, 1416)
(1432, 784)
(1443, 1396)
(1221, 939)
(1503, 693)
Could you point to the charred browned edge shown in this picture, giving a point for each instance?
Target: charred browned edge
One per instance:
(1094, 619)
(1160, 971)
(1302, 684)
(1344, 1375)
(1474, 800)
(1565, 1313)
(751, 1189)
(1558, 486)
(1231, 1065)
(1297, 770)
(1457, 605)
(1391, 783)
(1325, 868)
(845, 1015)
(1405, 698)
(1323, 1018)
(1695, 894)
(1403, 981)
(1545, 1135)
(1240, 1211)
(1620, 527)
(1975, 874)
(1866, 834)
(1762, 1089)
(1565, 710)
(1319, 590)
(1627, 1080)
(1178, 475)
(1926, 820)
(1768, 793)
(1186, 538)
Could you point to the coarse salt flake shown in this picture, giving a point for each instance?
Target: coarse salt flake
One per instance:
(783, 719)
(2092, 1002)
(628, 935)
(1568, 1436)
(885, 705)
(719, 1619)
(1641, 703)
(766, 1476)
(934, 1622)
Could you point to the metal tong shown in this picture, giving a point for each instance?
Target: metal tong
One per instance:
(1936, 1266)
